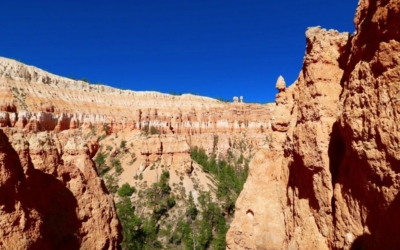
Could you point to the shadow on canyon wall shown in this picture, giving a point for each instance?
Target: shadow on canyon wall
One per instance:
(46, 203)
(385, 233)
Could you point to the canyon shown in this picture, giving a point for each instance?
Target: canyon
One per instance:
(329, 179)
(325, 157)
(54, 127)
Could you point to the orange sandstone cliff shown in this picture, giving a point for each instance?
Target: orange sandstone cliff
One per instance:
(329, 178)
(50, 200)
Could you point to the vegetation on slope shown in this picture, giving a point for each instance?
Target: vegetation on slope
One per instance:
(161, 216)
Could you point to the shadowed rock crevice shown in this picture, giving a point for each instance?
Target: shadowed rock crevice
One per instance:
(336, 152)
(57, 205)
(385, 233)
(44, 197)
(301, 181)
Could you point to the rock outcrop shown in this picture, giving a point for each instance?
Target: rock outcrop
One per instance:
(170, 151)
(330, 176)
(52, 200)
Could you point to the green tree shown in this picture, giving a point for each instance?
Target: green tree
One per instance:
(211, 230)
(100, 161)
(85, 80)
(150, 230)
(117, 165)
(126, 190)
(111, 183)
(192, 211)
(123, 144)
(154, 131)
(171, 201)
(133, 235)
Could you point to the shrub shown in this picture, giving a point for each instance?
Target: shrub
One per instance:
(117, 164)
(106, 127)
(126, 190)
(154, 131)
(171, 202)
(123, 144)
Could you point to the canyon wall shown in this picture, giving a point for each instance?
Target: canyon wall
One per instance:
(36, 100)
(52, 127)
(51, 200)
(329, 178)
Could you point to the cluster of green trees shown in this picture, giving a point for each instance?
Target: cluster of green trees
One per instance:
(142, 233)
(230, 179)
(202, 227)
(175, 93)
(146, 130)
(221, 99)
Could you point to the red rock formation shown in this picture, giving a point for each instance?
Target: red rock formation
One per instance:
(330, 178)
(52, 201)
(367, 185)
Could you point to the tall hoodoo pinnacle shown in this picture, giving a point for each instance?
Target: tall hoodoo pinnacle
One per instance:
(280, 84)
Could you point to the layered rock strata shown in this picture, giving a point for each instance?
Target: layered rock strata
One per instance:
(170, 151)
(36, 100)
(330, 178)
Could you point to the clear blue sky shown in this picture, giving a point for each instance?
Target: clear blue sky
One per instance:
(208, 47)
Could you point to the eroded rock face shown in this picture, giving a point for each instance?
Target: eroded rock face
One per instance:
(169, 150)
(51, 200)
(35, 100)
(367, 186)
(43, 101)
(330, 177)
(298, 148)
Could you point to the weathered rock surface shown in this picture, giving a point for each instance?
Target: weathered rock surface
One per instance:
(330, 178)
(170, 151)
(34, 100)
(43, 101)
(50, 200)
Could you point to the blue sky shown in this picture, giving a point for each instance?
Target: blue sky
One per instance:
(214, 48)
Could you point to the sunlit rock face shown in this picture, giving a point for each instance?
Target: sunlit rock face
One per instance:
(45, 101)
(52, 200)
(330, 178)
